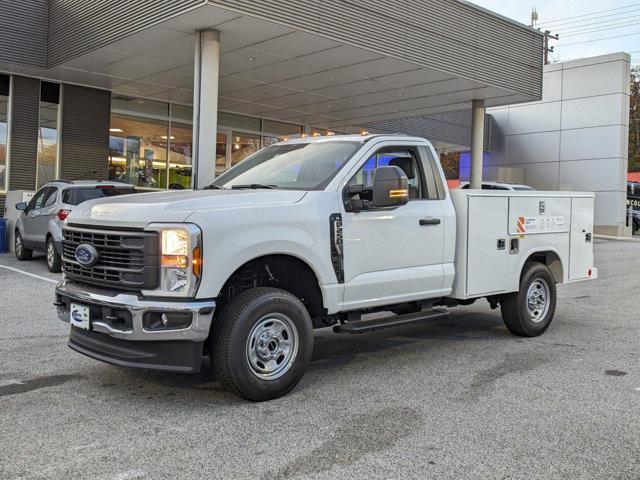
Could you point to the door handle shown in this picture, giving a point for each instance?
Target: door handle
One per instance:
(429, 221)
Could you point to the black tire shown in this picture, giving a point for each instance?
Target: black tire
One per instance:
(22, 252)
(54, 262)
(231, 349)
(516, 314)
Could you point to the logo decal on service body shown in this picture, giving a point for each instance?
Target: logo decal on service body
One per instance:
(86, 255)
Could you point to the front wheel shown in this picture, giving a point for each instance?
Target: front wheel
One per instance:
(262, 343)
(528, 312)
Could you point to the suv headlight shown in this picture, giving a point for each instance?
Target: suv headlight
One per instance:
(180, 260)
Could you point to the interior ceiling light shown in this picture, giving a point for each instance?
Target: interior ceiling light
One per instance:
(116, 130)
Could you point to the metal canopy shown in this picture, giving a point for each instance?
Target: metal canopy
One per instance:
(282, 72)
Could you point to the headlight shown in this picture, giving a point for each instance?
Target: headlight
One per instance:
(180, 260)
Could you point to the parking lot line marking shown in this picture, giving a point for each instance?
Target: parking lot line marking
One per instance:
(29, 274)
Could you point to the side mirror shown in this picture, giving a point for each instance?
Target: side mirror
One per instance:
(22, 206)
(390, 187)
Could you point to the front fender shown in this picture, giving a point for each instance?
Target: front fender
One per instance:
(223, 256)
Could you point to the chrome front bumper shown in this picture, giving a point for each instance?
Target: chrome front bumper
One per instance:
(198, 331)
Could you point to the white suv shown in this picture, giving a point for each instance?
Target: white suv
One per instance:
(40, 226)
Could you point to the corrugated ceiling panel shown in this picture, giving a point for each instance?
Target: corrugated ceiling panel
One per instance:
(80, 26)
(450, 35)
(23, 32)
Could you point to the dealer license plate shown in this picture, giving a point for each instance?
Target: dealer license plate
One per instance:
(80, 316)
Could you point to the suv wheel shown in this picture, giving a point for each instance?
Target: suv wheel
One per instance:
(262, 344)
(22, 252)
(528, 312)
(54, 262)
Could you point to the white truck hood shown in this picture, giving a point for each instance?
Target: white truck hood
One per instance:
(140, 209)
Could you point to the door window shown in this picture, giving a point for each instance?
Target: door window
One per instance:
(50, 197)
(405, 159)
(38, 199)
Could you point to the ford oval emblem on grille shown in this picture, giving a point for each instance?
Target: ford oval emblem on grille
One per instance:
(86, 255)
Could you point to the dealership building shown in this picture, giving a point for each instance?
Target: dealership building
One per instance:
(170, 93)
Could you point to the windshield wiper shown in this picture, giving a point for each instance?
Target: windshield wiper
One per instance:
(253, 186)
(211, 186)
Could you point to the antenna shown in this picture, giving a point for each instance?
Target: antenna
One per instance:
(534, 16)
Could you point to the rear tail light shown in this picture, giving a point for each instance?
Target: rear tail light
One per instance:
(63, 214)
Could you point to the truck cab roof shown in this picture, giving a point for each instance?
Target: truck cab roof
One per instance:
(353, 138)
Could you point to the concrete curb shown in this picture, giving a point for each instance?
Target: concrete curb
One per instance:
(611, 238)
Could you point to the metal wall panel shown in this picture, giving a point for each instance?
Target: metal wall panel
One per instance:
(80, 26)
(85, 133)
(23, 32)
(450, 35)
(24, 133)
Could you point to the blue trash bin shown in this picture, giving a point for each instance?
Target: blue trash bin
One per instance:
(3, 235)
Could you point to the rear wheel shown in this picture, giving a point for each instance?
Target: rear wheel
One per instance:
(54, 262)
(262, 343)
(528, 312)
(22, 252)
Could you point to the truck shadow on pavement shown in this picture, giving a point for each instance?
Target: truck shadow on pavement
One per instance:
(334, 352)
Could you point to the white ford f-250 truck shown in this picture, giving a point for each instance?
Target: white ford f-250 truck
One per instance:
(304, 234)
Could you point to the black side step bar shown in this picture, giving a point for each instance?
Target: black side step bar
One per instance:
(362, 326)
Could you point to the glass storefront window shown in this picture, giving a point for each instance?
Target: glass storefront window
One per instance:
(138, 151)
(4, 102)
(231, 120)
(180, 156)
(318, 132)
(221, 153)
(139, 105)
(243, 145)
(181, 112)
(281, 129)
(47, 157)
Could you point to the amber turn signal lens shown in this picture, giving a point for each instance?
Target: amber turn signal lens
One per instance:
(398, 193)
(175, 261)
(197, 261)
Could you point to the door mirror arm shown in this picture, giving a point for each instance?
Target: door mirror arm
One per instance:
(358, 204)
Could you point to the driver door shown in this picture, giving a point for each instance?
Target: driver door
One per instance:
(395, 255)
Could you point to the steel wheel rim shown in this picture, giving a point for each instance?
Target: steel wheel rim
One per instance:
(19, 244)
(272, 346)
(50, 254)
(538, 300)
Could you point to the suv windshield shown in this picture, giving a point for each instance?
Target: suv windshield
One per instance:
(301, 166)
(77, 195)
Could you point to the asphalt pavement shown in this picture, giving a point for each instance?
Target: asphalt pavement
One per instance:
(457, 397)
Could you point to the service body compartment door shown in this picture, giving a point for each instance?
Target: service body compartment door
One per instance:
(532, 215)
(581, 249)
(487, 245)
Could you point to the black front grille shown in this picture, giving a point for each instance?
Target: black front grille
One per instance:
(127, 259)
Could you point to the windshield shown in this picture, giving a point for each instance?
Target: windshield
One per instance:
(302, 166)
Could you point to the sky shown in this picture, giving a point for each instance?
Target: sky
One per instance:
(578, 21)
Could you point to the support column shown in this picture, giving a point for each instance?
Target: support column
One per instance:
(205, 106)
(477, 143)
